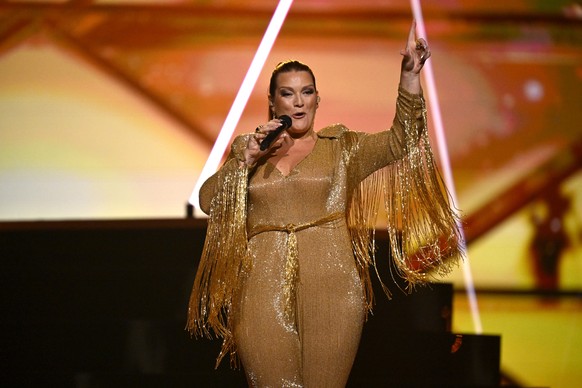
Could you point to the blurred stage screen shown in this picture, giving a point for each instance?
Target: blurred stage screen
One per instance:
(108, 111)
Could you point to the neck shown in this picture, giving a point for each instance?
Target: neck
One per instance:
(308, 135)
(293, 143)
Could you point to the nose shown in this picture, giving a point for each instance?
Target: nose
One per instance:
(299, 101)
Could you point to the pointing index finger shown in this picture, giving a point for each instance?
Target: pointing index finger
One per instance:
(412, 33)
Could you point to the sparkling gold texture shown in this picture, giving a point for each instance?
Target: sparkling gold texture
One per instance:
(284, 276)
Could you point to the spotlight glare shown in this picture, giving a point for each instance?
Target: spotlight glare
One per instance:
(242, 97)
(446, 166)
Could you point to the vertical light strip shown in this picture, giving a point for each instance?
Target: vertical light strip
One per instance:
(242, 97)
(446, 167)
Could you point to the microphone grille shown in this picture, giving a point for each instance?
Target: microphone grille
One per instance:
(286, 120)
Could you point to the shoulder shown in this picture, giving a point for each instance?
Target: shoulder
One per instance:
(342, 133)
(334, 131)
(347, 139)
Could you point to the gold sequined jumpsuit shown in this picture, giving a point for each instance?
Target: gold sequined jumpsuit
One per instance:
(313, 345)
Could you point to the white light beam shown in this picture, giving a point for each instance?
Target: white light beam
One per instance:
(242, 97)
(446, 166)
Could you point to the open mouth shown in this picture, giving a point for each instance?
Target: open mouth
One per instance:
(298, 116)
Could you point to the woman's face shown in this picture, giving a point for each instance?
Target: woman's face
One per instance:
(295, 96)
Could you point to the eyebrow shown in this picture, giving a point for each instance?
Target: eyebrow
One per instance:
(290, 87)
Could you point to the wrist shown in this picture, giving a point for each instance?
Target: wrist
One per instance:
(410, 82)
(247, 160)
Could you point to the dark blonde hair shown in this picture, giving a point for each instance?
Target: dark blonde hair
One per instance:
(286, 67)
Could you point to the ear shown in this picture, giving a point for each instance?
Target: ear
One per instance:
(317, 102)
(272, 107)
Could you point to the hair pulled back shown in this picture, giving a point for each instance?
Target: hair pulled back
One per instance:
(285, 67)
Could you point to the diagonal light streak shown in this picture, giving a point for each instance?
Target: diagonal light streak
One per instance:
(446, 166)
(241, 99)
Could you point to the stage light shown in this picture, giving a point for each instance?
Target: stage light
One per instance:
(241, 99)
(446, 166)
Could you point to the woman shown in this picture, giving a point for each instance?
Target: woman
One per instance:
(284, 275)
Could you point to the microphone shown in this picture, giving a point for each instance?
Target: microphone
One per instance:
(285, 123)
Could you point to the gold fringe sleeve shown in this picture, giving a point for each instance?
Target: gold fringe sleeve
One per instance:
(224, 259)
(423, 227)
(361, 219)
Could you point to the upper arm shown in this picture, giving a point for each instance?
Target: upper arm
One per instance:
(374, 151)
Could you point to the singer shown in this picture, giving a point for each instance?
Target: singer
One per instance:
(284, 276)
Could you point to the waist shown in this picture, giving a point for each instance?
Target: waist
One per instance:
(295, 227)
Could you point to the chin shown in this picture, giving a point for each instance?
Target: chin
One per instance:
(301, 127)
(298, 131)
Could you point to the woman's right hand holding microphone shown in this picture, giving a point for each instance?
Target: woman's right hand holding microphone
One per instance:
(253, 151)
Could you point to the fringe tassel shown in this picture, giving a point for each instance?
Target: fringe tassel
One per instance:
(425, 240)
(361, 218)
(224, 261)
(291, 276)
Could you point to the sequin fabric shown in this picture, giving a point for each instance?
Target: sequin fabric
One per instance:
(284, 275)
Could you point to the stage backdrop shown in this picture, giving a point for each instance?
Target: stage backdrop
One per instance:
(109, 109)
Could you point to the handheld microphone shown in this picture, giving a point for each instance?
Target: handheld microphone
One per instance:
(285, 123)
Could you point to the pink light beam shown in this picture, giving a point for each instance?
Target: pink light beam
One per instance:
(446, 166)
